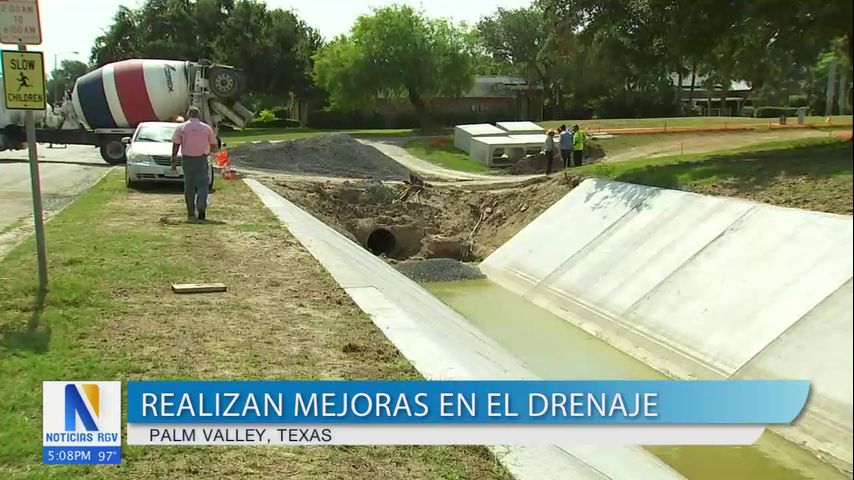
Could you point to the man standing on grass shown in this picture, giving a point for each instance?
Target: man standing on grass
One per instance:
(578, 145)
(565, 146)
(196, 140)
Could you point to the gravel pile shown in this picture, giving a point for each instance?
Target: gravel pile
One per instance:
(336, 154)
(438, 270)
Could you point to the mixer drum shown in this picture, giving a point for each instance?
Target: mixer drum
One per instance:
(126, 93)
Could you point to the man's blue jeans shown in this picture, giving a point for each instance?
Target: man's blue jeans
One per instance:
(196, 180)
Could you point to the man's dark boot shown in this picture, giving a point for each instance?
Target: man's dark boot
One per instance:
(201, 215)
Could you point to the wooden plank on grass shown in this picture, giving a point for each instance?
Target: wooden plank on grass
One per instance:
(198, 287)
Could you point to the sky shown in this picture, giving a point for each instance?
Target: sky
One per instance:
(70, 26)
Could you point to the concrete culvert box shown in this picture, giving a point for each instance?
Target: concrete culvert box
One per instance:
(463, 134)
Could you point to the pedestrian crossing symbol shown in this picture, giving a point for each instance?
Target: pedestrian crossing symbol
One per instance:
(23, 80)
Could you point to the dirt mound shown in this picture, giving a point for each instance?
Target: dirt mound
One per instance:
(337, 155)
(593, 152)
(533, 164)
(438, 270)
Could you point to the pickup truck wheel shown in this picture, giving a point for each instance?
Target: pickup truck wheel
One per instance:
(113, 152)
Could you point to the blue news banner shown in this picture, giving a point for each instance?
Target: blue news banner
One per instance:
(450, 412)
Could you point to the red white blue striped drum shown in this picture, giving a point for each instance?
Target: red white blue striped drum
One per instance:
(127, 93)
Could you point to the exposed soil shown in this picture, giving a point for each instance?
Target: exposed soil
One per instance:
(440, 222)
(438, 270)
(335, 154)
(593, 152)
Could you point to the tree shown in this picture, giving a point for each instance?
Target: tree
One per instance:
(273, 47)
(396, 52)
(517, 37)
(62, 80)
(120, 41)
(644, 42)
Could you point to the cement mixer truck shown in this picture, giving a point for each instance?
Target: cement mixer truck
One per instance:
(107, 104)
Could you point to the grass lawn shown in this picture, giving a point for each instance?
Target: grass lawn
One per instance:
(688, 122)
(813, 174)
(622, 143)
(236, 137)
(110, 315)
(443, 154)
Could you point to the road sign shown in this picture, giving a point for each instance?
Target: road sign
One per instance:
(20, 23)
(23, 79)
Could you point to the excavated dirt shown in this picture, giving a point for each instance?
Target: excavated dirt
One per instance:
(438, 270)
(593, 152)
(337, 155)
(440, 222)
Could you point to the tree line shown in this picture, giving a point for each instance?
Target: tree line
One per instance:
(606, 58)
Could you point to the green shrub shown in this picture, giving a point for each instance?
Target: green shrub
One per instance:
(265, 115)
(798, 101)
(776, 112)
(281, 112)
(273, 122)
(748, 111)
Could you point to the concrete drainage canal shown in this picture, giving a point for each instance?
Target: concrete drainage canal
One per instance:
(556, 350)
(426, 242)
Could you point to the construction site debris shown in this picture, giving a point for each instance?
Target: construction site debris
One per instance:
(198, 287)
(442, 221)
(438, 246)
(336, 155)
(593, 152)
(438, 270)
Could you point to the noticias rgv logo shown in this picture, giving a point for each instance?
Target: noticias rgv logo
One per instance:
(81, 412)
(76, 408)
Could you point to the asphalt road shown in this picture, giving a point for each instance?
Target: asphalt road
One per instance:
(65, 172)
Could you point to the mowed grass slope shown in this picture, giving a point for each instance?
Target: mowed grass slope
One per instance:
(110, 315)
(813, 174)
(700, 122)
(441, 151)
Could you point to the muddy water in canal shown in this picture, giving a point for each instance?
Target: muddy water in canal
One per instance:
(555, 349)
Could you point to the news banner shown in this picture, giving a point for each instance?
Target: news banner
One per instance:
(82, 420)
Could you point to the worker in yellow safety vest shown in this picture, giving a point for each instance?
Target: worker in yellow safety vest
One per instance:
(577, 146)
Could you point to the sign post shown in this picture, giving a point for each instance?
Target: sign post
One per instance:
(24, 82)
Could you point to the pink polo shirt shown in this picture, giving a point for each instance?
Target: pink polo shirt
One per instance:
(195, 137)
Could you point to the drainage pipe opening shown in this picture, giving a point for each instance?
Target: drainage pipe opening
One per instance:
(381, 241)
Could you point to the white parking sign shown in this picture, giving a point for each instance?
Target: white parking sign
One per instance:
(20, 23)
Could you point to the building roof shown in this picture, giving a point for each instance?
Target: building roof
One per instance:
(735, 85)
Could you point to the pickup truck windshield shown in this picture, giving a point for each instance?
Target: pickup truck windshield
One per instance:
(156, 133)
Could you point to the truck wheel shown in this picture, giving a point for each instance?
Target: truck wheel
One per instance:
(113, 152)
(224, 82)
